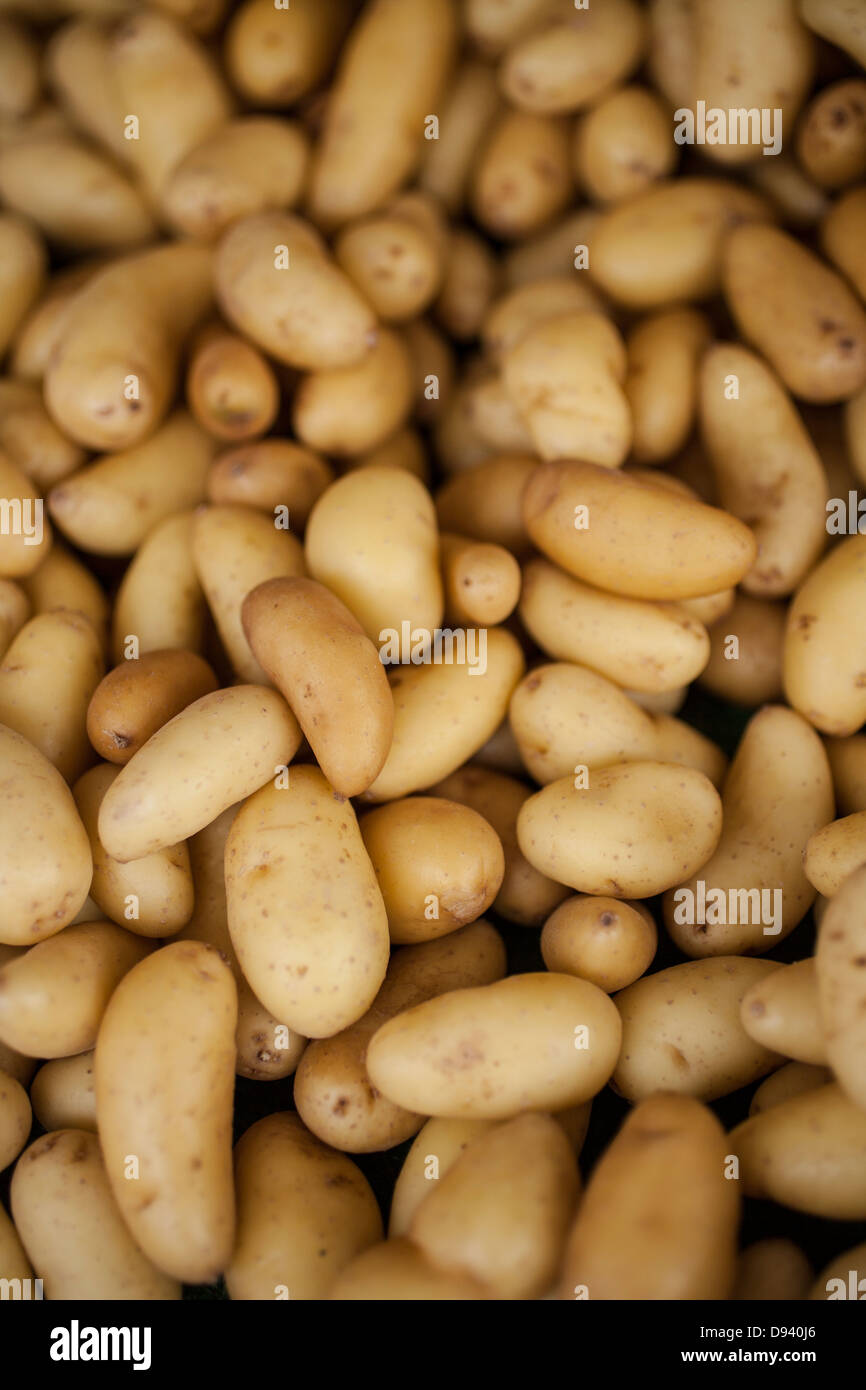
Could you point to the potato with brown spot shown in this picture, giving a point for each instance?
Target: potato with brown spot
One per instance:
(137, 697)
(608, 942)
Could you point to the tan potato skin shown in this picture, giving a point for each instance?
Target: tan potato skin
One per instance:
(782, 1013)
(62, 581)
(333, 1094)
(145, 809)
(164, 1082)
(401, 50)
(623, 145)
(772, 1269)
(160, 600)
(30, 438)
(469, 284)
(137, 697)
(492, 1052)
(304, 1212)
(514, 313)
(842, 237)
(20, 553)
(565, 66)
(522, 177)
(14, 612)
(425, 845)
(329, 672)
(681, 1030)
(443, 714)
(15, 1119)
(839, 967)
(639, 540)
(485, 502)
(840, 1268)
(267, 474)
(40, 1014)
(837, 21)
(275, 57)
(847, 757)
(394, 263)
(72, 1228)
(481, 581)
(834, 852)
(45, 861)
(63, 1093)
(790, 1080)
(659, 1218)
(310, 931)
(345, 411)
(501, 1212)
(14, 1263)
(608, 942)
(442, 1140)
(235, 549)
(628, 834)
(755, 677)
(23, 261)
(777, 793)
(160, 883)
(395, 1270)
(661, 385)
(308, 315)
(821, 665)
(806, 1153)
(232, 390)
(831, 136)
(466, 112)
(644, 646)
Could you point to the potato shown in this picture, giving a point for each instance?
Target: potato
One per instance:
(311, 936)
(401, 50)
(782, 1013)
(530, 1042)
(19, 73)
(45, 862)
(151, 896)
(176, 784)
(814, 336)
(493, 413)
(277, 285)
(791, 1080)
(659, 1218)
(137, 697)
(834, 852)
(80, 70)
(847, 758)
(405, 449)
(570, 64)
(469, 285)
(14, 612)
(329, 673)
(526, 896)
(679, 228)
(831, 135)
(772, 1269)
(481, 581)
(494, 25)
(515, 313)
(551, 251)
(752, 892)
(394, 263)
(63, 1093)
(396, 1270)
(839, 22)
(522, 177)
(270, 473)
(485, 502)
(501, 1212)
(30, 438)
(750, 671)
(348, 410)
(623, 145)
(565, 377)
(662, 380)
(110, 506)
(22, 273)
(649, 647)
(13, 1260)
(821, 665)
(434, 1151)
(232, 391)
(839, 962)
(15, 1119)
(160, 602)
(169, 81)
(164, 1082)
(333, 1092)
(466, 111)
(111, 377)
(806, 1153)
(74, 194)
(842, 237)
(629, 833)
(251, 164)
(835, 1280)
(607, 942)
(26, 535)
(274, 57)
(235, 549)
(72, 1228)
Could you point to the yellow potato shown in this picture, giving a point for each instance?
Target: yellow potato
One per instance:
(632, 831)
(469, 284)
(177, 783)
(110, 506)
(396, 1270)
(19, 68)
(22, 273)
(847, 757)
(308, 925)
(515, 313)
(47, 678)
(45, 863)
(16, 1119)
(842, 237)
(14, 1263)
(831, 135)
(659, 1218)
(333, 1093)
(662, 380)
(839, 22)
(501, 1212)
(796, 199)
(522, 177)
(466, 112)
(232, 390)
(137, 697)
(30, 437)
(481, 582)
(608, 942)
(752, 892)
(235, 549)
(530, 1042)
(14, 612)
(570, 64)
(63, 1093)
(26, 536)
(623, 145)
(270, 473)
(750, 671)
(400, 54)
(648, 647)
(782, 1013)
(551, 251)
(405, 449)
(329, 673)
(434, 1151)
(160, 602)
(774, 1270)
(395, 264)
(526, 896)
(304, 1212)
(494, 416)
(72, 1228)
(274, 57)
(791, 1080)
(40, 1014)
(80, 69)
(821, 665)
(62, 581)
(348, 410)
(432, 356)
(806, 1153)
(485, 502)
(834, 852)
(844, 1277)
(797, 312)
(839, 963)
(164, 1081)
(150, 896)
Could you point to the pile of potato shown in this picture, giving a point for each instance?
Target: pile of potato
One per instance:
(398, 428)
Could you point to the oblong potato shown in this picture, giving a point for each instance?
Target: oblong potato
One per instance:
(346, 411)
(137, 697)
(270, 473)
(231, 388)
(570, 62)
(16, 1119)
(821, 665)
(160, 602)
(790, 1080)
(395, 1270)
(782, 1013)
(522, 176)
(435, 1150)
(276, 57)
(23, 261)
(839, 965)
(26, 536)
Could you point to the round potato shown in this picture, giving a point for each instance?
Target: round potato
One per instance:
(782, 1013)
(773, 1270)
(607, 942)
(231, 388)
(16, 1119)
(267, 474)
(63, 1093)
